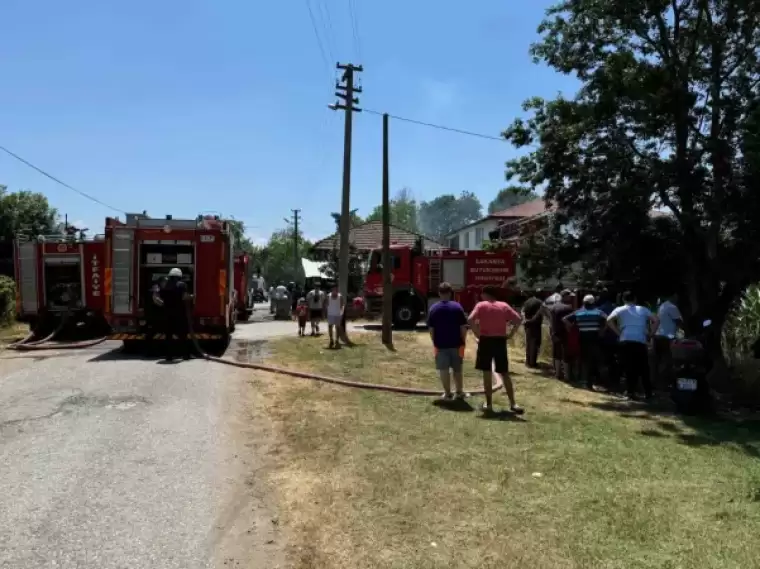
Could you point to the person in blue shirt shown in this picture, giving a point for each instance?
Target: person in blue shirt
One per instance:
(591, 323)
(634, 326)
(448, 329)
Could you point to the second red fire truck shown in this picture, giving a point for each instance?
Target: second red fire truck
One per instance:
(417, 274)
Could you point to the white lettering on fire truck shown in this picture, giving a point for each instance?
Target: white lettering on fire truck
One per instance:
(95, 278)
(495, 261)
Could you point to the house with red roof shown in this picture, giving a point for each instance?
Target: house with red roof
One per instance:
(471, 236)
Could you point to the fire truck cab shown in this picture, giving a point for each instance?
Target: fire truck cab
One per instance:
(141, 250)
(56, 274)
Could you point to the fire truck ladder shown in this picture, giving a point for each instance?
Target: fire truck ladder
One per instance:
(435, 273)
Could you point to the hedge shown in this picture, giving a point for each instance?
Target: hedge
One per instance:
(7, 300)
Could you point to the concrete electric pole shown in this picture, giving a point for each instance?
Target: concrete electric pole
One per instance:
(346, 92)
(296, 214)
(387, 283)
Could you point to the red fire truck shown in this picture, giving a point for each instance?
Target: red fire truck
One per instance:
(243, 300)
(55, 274)
(142, 249)
(416, 276)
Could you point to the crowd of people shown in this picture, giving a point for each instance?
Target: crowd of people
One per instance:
(596, 342)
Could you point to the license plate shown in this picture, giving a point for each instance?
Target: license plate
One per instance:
(687, 384)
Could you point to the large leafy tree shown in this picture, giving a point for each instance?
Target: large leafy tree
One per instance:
(242, 242)
(667, 118)
(403, 211)
(447, 213)
(278, 261)
(26, 212)
(510, 197)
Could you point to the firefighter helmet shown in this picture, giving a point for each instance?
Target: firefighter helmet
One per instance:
(175, 272)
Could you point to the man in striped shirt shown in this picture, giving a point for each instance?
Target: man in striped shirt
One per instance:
(591, 323)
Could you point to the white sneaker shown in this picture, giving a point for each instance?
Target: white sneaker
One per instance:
(462, 396)
(447, 397)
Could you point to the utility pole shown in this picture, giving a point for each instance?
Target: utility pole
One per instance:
(387, 284)
(294, 221)
(346, 92)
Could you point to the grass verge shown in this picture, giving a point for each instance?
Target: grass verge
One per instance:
(375, 480)
(13, 332)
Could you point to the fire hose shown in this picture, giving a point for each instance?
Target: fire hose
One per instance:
(322, 378)
(27, 345)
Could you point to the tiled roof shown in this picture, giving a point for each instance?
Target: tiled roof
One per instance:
(527, 209)
(368, 236)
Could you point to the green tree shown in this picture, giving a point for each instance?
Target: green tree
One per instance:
(26, 212)
(668, 117)
(353, 216)
(242, 243)
(278, 260)
(447, 213)
(510, 197)
(403, 211)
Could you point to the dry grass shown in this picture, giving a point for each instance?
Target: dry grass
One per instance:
(13, 332)
(375, 480)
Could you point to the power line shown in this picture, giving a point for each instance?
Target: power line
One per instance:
(62, 183)
(355, 29)
(438, 126)
(319, 40)
(324, 12)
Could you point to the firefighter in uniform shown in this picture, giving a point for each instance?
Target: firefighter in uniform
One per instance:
(175, 298)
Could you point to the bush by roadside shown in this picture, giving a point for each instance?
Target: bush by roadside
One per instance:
(7, 300)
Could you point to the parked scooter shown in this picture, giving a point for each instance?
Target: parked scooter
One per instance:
(691, 364)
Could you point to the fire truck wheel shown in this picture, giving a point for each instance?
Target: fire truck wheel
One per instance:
(405, 316)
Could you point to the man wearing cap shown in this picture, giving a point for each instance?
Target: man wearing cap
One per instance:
(590, 323)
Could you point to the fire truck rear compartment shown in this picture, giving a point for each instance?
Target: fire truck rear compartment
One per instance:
(62, 280)
(157, 259)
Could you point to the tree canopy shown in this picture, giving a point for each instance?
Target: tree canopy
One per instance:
(278, 260)
(26, 212)
(510, 197)
(403, 211)
(447, 213)
(666, 120)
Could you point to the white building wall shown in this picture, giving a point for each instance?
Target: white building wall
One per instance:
(472, 237)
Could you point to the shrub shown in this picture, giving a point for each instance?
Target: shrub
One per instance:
(7, 300)
(742, 327)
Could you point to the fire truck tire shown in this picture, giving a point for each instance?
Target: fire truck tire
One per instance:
(244, 316)
(405, 315)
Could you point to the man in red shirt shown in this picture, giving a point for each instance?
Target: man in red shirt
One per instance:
(489, 321)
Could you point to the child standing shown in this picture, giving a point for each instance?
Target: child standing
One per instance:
(302, 313)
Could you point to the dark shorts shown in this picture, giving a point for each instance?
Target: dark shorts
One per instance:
(492, 354)
(315, 314)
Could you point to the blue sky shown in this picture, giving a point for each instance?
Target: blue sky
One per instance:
(195, 106)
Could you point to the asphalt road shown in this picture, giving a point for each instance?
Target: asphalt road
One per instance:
(108, 462)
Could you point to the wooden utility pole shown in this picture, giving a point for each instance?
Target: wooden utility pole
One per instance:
(346, 92)
(387, 284)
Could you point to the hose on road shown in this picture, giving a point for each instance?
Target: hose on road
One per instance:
(27, 345)
(498, 383)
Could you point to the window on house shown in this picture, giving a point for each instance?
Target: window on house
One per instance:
(466, 245)
(479, 233)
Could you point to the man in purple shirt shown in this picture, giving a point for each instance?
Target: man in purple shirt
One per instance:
(448, 330)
